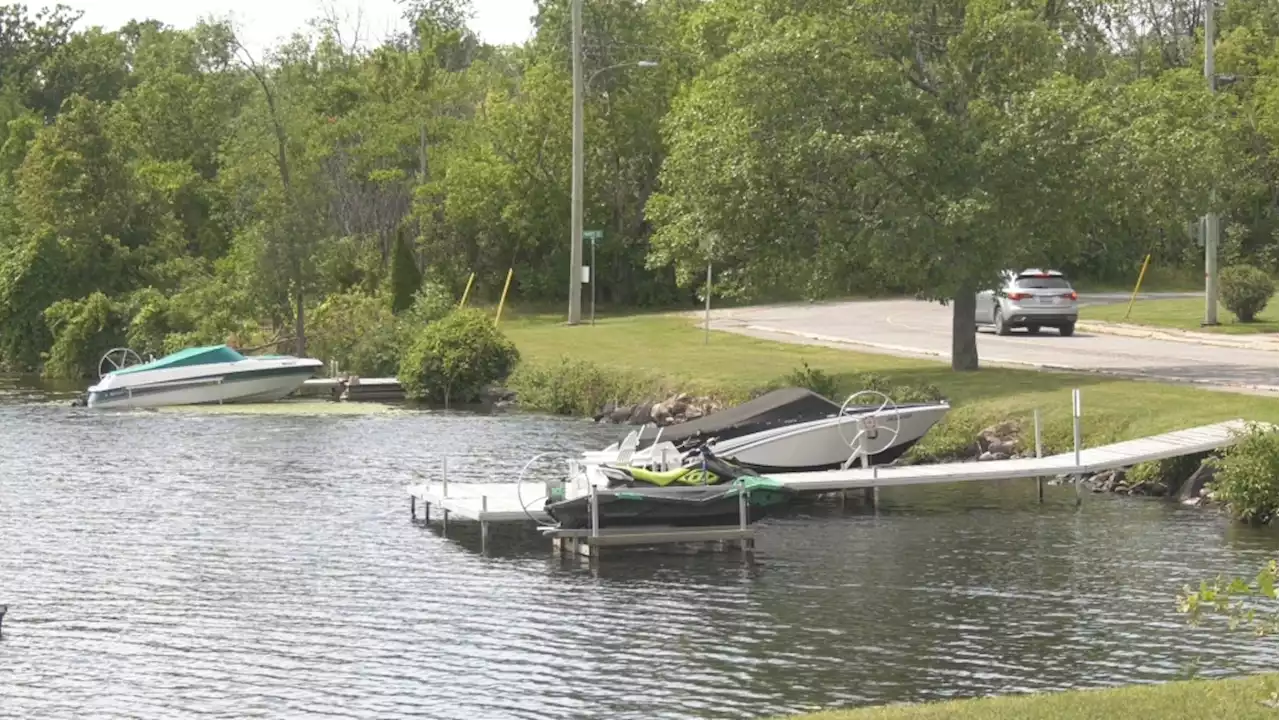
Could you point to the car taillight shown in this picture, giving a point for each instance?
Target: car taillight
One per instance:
(1073, 295)
(1019, 296)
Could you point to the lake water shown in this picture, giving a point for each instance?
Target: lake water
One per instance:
(194, 563)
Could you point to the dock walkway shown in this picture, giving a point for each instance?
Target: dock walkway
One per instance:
(501, 502)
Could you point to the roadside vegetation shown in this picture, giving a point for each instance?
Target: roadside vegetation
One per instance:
(1182, 314)
(166, 187)
(646, 357)
(1246, 698)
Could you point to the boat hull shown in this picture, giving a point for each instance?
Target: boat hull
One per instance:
(821, 444)
(248, 387)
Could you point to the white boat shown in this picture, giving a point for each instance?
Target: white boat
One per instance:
(789, 430)
(214, 374)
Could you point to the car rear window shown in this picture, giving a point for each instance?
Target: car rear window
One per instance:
(1033, 282)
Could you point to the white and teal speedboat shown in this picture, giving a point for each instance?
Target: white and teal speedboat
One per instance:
(196, 376)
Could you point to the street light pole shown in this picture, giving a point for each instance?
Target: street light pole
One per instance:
(575, 240)
(1211, 218)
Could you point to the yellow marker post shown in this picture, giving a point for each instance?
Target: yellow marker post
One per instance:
(502, 301)
(1134, 296)
(467, 291)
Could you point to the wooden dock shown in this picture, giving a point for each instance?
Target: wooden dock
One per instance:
(1206, 438)
(353, 389)
(522, 502)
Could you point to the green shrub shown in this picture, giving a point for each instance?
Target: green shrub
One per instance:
(1245, 290)
(1233, 599)
(579, 387)
(1245, 477)
(430, 303)
(358, 331)
(454, 358)
(817, 381)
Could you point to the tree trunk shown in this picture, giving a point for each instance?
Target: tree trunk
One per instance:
(299, 325)
(964, 331)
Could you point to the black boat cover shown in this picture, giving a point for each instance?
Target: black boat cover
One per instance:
(779, 407)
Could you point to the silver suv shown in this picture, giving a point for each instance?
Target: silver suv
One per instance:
(1030, 299)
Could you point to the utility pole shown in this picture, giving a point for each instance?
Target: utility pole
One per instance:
(575, 240)
(1211, 218)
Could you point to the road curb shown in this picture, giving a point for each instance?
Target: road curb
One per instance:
(1265, 342)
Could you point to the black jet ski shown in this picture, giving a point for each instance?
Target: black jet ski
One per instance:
(706, 493)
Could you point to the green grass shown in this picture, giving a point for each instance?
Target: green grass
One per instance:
(1236, 698)
(1181, 314)
(668, 353)
(1157, 279)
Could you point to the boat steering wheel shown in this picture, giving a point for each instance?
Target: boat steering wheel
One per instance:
(869, 426)
(117, 359)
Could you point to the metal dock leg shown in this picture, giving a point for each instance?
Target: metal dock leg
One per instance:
(484, 524)
(1075, 431)
(1039, 454)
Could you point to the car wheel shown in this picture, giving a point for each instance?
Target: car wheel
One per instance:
(997, 321)
(1033, 329)
(1067, 330)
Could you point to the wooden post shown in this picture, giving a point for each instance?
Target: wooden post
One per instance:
(503, 300)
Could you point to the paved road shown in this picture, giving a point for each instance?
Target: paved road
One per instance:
(920, 329)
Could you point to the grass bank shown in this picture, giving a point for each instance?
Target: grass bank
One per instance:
(1157, 279)
(1182, 314)
(647, 357)
(1237, 698)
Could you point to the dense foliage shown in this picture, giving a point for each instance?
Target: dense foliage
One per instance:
(453, 359)
(1246, 290)
(1247, 477)
(168, 186)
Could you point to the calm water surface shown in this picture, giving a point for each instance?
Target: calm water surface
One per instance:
(197, 564)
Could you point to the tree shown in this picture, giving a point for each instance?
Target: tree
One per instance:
(405, 276)
(918, 148)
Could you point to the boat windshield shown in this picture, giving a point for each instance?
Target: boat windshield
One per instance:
(780, 407)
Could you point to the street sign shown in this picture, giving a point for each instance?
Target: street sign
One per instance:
(593, 235)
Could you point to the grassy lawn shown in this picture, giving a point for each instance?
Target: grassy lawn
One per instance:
(1181, 314)
(668, 352)
(1237, 698)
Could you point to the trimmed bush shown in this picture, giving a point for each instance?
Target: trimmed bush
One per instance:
(454, 358)
(1245, 290)
(1247, 475)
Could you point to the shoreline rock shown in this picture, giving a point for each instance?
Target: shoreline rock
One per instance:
(675, 409)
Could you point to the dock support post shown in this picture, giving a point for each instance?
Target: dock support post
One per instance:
(444, 494)
(1039, 454)
(595, 521)
(1075, 432)
(484, 524)
(413, 506)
